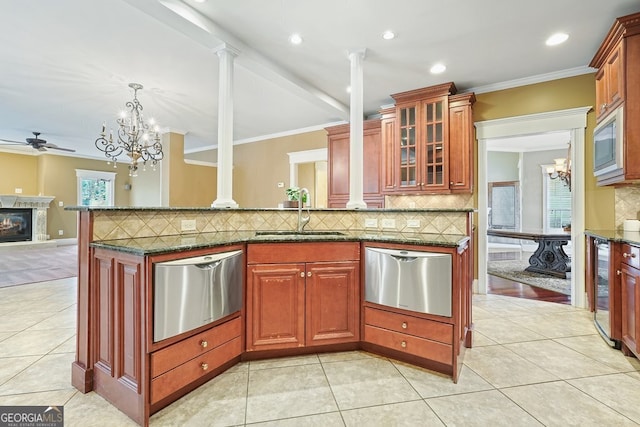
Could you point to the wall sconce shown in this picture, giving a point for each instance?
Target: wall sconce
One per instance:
(562, 169)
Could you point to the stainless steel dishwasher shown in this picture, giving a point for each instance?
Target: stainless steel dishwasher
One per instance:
(191, 292)
(412, 280)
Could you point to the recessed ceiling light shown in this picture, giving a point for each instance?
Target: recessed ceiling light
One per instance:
(437, 69)
(388, 35)
(557, 39)
(295, 38)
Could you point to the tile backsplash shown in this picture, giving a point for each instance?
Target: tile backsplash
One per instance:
(125, 223)
(627, 201)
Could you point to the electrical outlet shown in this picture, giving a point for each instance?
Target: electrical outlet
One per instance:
(60, 232)
(413, 223)
(60, 203)
(371, 223)
(388, 223)
(188, 225)
(18, 190)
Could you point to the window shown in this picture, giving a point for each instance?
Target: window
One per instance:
(95, 188)
(504, 205)
(557, 203)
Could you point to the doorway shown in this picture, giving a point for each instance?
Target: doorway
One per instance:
(573, 121)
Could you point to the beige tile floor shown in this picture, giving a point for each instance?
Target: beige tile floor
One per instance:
(533, 363)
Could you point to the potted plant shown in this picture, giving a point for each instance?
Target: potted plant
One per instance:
(293, 197)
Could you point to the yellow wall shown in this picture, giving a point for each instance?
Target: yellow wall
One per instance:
(259, 166)
(18, 171)
(559, 94)
(189, 185)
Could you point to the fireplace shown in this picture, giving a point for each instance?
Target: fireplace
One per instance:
(23, 219)
(15, 225)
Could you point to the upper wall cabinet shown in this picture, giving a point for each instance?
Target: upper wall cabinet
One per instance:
(338, 165)
(618, 84)
(427, 141)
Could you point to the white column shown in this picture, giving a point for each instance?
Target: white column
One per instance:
(356, 136)
(224, 199)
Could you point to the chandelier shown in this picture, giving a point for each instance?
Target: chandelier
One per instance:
(562, 169)
(135, 138)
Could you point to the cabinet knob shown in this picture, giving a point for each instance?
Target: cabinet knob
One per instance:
(403, 344)
(309, 274)
(302, 274)
(618, 272)
(404, 325)
(603, 107)
(204, 344)
(631, 255)
(204, 366)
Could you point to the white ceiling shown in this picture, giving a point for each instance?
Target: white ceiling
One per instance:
(65, 64)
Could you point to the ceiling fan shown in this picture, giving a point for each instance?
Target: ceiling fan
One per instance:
(36, 143)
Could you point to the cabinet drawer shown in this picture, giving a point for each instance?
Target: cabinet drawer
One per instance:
(631, 255)
(420, 347)
(195, 368)
(422, 328)
(180, 352)
(278, 253)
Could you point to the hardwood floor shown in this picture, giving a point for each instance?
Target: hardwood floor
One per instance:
(500, 286)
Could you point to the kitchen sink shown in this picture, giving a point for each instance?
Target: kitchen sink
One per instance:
(298, 233)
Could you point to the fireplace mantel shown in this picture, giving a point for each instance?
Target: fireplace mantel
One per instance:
(18, 201)
(38, 206)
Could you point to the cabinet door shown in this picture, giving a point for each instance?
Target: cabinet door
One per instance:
(389, 161)
(460, 147)
(338, 167)
(332, 301)
(610, 83)
(275, 310)
(407, 149)
(630, 281)
(434, 147)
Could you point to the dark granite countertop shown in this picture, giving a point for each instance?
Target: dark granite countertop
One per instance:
(184, 242)
(619, 236)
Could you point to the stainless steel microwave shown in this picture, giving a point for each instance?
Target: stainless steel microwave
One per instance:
(608, 139)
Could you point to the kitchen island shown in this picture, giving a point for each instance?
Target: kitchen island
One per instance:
(317, 275)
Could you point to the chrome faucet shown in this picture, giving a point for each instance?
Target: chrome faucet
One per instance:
(302, 221)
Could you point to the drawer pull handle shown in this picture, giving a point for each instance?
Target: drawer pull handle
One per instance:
(631, 255)
(204, 344)
(404, 325)
(204, 366)
(403, 344)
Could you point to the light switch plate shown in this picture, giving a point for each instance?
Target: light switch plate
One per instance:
(388, 223)
(371, 223)
(188, 225)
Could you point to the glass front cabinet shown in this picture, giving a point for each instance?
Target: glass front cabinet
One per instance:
(423, 152)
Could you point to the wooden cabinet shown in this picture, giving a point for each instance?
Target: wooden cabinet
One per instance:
(428, 142)
(302, 294)
(338, 165)
(183, 363)
(609, 83)
(618, 85)
(135, 374)
(433, 341)
(630, 288)
(120, 359)
(409, 334)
